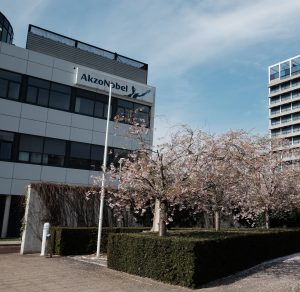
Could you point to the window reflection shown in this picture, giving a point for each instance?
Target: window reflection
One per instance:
(10, 84)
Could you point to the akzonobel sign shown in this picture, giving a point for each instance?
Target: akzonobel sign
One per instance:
(120, 86)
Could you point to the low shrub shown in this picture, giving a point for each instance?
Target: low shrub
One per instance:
(83, 240)
(198, 259)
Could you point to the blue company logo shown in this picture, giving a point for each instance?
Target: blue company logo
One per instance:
(116, 85)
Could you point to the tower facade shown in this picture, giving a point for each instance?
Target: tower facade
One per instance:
(284, 102)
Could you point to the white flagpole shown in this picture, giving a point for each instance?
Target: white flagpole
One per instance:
(103, 174)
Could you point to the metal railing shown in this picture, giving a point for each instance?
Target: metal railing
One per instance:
(86, 47)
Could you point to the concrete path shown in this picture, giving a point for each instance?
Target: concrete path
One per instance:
(34, 273)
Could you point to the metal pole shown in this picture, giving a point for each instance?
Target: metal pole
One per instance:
(103, 175)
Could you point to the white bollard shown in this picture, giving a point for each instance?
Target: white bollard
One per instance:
(45, 237)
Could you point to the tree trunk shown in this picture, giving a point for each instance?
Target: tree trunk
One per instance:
(156, 216)
(267, 219)
(207, 220)
(217, 220)
(162, 221)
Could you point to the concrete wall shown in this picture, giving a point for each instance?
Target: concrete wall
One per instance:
(33, 226)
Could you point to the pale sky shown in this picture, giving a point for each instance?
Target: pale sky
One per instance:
(208, 59)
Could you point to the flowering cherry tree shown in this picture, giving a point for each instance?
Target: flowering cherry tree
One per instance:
(271, 185)
(232, 173)
(218, 172)
(157, 177)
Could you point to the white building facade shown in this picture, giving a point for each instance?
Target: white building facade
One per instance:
(53, 110)
(284, 103)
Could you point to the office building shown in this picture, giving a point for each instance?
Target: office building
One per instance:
(284, 103)
(53, 108)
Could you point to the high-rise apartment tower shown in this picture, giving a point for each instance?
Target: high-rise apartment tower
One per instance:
(284, 101)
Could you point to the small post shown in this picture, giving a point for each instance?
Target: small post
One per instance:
(45, 238)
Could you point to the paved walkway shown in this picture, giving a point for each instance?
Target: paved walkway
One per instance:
(34, 273)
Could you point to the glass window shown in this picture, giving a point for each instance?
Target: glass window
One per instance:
(296, 116)
(54, 152)
(274, 88)
(286, 130)
(4, 34)
(275, 110)
(101, 105)
(14, 90)
(285, 85)
(275, 133)
(296, 82)
(295, 65)
(296, 104)
(6, 144)
(275, 99)
(142, 114)
(31, 94)
(296, 140)
(286, 107)
(124, 111)
(275, 121)
(60, 96)
(285, 69)
(31, 149)
(38, 91)
(96, 157)
(286, 119)
(117, 154)
(24, 156)
(3, 87)
(296, 93)
(274, 72)
(43, 96)
(296, 128)
(100, 110)
(84, 106)
(10, 84)
(80, 155)
(285, 96)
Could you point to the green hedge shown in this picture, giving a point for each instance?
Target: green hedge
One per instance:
(79, 241)
(194, 261)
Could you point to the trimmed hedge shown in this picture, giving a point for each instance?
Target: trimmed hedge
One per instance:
(194, 261)
(79, 241)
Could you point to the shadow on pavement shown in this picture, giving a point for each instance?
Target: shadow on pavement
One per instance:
(277, 268)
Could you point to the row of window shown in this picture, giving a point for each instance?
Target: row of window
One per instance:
(285, 119)
(285, 85)
(286, 130)
(57, 96)
(24, 148)
(286, 107)
(285, 69)
(285, 96)
(288, 141)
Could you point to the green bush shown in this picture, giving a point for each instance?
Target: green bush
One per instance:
(79, 241)
(198, 259)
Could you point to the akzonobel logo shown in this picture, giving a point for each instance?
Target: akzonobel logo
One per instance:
(101, 81)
